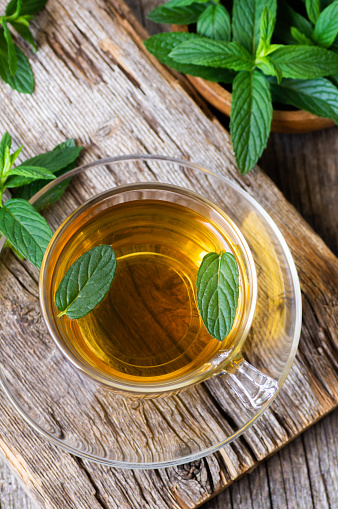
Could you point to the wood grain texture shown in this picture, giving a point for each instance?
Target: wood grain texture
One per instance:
(303, 475)
(139, 106)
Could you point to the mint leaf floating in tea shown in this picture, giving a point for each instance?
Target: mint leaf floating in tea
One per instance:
(25, 229)
(217, 293)
(86, 282)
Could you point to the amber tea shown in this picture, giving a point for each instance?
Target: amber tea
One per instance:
(148, 328)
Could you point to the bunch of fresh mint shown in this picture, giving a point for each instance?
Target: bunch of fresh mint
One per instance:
(267, 54)
(27, 232)
(14, 66)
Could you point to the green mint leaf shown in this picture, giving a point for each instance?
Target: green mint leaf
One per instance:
(300, 37)
(86, 282)
(267, 26)
(15, 155)
(54, 163)
(288, 17)
(246, 20)
(23, 80)
(25, 229)
(28, 7)
(161, 45)
(178, 12)
(6, 142)
(203, 51)
(12, 58)
(8, 245)
(25, 33)
(217, 293)
(7, 162)
(50, 197)
(55, 160)
(269, 67)
(326, 27)
(318, 96)
(312, 9)
(251, 116)
(27, 174)
(214, 23)
(302, 62)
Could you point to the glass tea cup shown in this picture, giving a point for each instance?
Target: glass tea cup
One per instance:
(223, 359)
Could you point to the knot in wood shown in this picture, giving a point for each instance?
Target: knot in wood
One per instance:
(190, 470)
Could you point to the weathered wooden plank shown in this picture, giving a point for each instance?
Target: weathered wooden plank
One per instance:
(303, 475)
(12, 495)
(138, 106)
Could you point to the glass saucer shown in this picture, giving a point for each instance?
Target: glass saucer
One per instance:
(91, 421)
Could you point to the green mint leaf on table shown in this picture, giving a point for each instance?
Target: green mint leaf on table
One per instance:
(326, 27)
(161, 45)
(23, 80)
(86, 282)
(58, 161)
(214, 23)
(312, 9)
(27, 174)
(178, 12)
(27, 7)
(302, 62)
(12, 58)
(318, 96)
(300, 37)
(203, 51)
(25, 229)
(217, 293)
(25, 33)
(251, 116)
(246, 20)
(5, 143)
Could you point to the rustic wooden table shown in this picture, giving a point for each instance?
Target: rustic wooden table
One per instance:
(305, 473)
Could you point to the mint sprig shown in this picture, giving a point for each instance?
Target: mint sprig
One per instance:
(27, 232)
(267, 43)
(15, 69)
(217, 293)
(246, 21)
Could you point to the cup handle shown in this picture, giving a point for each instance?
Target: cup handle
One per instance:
(253, 387)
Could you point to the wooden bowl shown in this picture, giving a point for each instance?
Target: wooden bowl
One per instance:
(298, 121)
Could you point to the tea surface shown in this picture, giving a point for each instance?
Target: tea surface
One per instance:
(148, 327)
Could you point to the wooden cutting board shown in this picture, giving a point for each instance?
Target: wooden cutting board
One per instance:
(95, 82)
